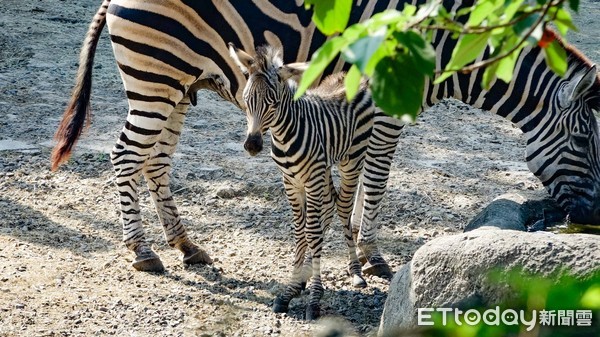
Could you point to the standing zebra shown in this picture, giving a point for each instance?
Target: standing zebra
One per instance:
(308, 136)
(164, 46)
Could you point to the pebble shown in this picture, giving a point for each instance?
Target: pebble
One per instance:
(226, 193)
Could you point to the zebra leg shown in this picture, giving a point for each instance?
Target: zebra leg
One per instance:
(156, 172)
(147, 117)
(328, 210)
(297, 200)
(315, 189)
(349, 176)
(128, 158)
(380, 152)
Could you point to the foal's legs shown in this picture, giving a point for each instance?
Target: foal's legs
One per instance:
(297, 200)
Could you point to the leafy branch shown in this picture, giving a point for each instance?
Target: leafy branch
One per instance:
(393, 48)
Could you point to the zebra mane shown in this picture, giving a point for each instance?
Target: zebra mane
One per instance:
(267, 59)
(331, 87)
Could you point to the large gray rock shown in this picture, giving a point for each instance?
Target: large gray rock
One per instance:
(451, 271)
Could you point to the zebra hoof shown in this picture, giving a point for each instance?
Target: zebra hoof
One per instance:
(358, 281)
(313, 312)
(199, 257)
(381, 270)
(193, 254)
(280, 305)
(148, 264)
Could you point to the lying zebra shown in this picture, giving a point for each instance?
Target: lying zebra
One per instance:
(310, 135)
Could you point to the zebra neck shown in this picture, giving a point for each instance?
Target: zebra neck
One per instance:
(287, 115)
(526, 100)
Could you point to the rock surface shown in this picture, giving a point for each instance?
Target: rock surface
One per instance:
(518, 212)
(451, 271)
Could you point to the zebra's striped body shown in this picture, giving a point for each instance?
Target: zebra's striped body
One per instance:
(309, 136)
(555, 114)
(164, 46)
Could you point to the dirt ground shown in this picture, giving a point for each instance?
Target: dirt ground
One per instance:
(64, 270)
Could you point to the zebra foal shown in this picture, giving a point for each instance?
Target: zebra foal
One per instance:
(309, 136)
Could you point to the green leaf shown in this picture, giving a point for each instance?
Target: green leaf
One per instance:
(385, 49)
(489, 75)
(354, 32)
(591, 298)
(523, 25)
(409, 10)
(506, 66)
(352, 82)
(510, 9)
(563, 21)
(319, 61)
(574, 4)
(556, 58)
(360, 52)
(330, 16)
(481, 11)
(468, 48)
(463, 11)
(388, 16)
(428, 9)
(397, 86)
(422, 52)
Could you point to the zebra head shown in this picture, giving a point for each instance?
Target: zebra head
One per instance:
(563, 151)
(265, 90)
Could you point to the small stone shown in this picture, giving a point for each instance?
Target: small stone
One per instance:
(226, 193)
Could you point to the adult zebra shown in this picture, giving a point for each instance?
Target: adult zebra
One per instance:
(162, 47)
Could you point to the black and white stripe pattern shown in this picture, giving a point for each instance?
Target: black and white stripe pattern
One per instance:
(164, 47)
(555, 114)
(309, 136)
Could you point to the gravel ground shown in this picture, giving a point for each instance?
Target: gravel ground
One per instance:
(64, 270)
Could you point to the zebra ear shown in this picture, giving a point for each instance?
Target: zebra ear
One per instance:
(292, 71)
(578, 86)
(241, 58)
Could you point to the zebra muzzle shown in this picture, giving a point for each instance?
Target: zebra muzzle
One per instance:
(253, 144)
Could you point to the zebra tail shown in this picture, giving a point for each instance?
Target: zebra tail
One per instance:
(78, 110)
